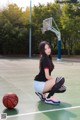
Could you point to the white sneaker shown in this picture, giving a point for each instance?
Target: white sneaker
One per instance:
(52, 102)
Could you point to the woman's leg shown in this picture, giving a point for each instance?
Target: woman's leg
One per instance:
(48, 85)
(56, 87)
(52, 87)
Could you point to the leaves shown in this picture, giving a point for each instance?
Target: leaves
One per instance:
(14, 28)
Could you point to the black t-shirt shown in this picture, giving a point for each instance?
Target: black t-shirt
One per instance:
(45, 63)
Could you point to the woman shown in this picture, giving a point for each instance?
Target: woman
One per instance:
(44, 82)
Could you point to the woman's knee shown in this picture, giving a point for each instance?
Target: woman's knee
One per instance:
(48, 85)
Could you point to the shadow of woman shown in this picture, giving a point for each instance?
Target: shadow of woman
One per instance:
(56, 112)
(10, 111)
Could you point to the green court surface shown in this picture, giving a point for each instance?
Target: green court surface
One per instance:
(16, 75)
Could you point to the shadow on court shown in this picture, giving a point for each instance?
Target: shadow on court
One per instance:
(10, 111)
(56, 114)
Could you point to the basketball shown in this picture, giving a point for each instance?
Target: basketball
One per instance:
(10, 100)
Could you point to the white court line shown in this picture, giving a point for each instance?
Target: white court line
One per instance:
(38, 112)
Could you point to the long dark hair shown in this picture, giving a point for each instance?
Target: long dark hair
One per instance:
(43, 54)
(42, 48)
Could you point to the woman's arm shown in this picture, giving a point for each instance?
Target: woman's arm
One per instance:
(48, 77)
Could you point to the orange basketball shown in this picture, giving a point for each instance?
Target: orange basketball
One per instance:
(10, 100)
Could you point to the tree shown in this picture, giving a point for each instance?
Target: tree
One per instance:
(40, 13)
(70, 21)
(14, 33)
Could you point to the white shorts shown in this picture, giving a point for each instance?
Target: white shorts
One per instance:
(39, 86)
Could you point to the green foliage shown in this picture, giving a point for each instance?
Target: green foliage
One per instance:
(14, 28)
(70, 22)
(40, 13)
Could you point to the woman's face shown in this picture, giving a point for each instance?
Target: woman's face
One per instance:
(47, 49)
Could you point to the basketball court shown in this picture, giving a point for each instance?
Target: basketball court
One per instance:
(16, 75)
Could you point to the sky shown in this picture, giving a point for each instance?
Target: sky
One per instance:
(23, 3)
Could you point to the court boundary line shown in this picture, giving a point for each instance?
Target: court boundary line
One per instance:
(44, 111)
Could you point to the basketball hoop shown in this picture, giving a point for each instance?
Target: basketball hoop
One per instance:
(47, 25)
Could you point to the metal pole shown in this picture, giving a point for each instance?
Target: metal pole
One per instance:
(59, 50)
(30, 30)
(59, 47)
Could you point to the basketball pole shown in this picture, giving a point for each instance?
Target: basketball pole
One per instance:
(30, 29)
(48, 23)
(59, 46)
(58, 34)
